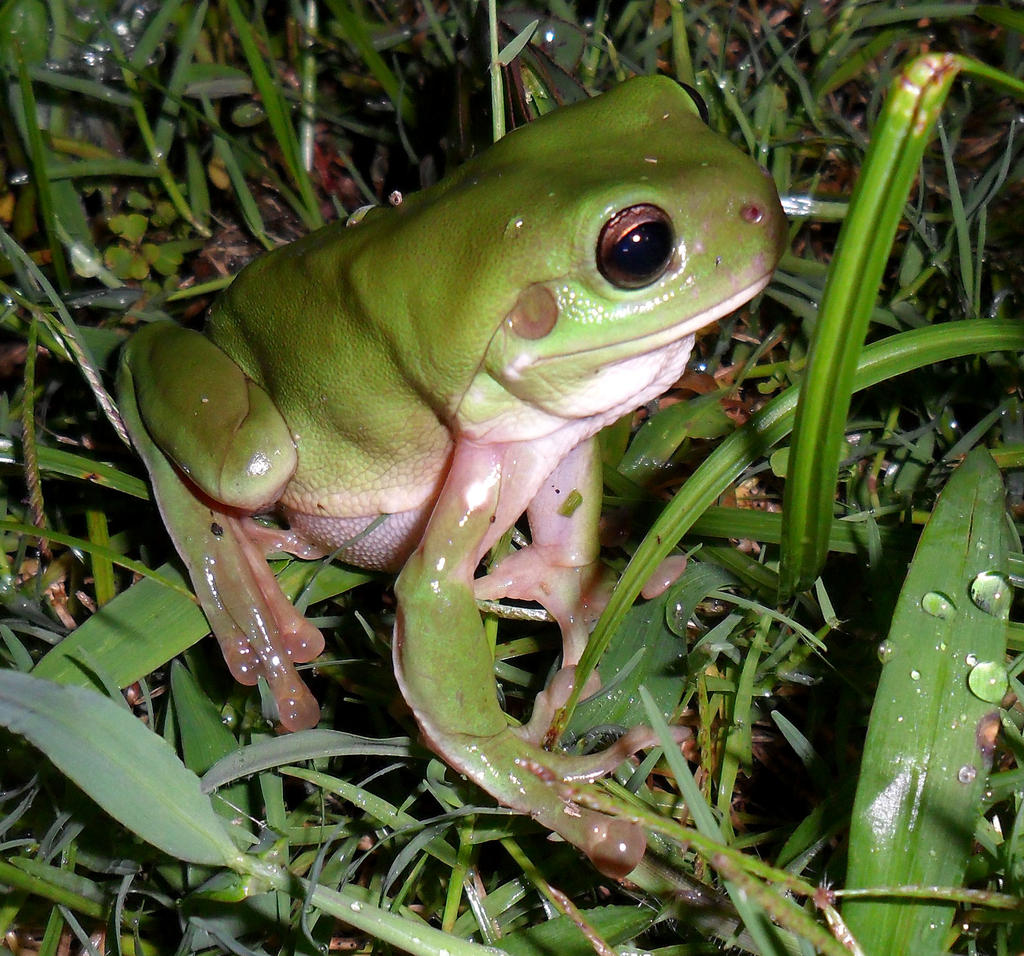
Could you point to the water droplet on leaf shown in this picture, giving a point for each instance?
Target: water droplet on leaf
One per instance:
(938, 604)
(988, 681)
(991, 592)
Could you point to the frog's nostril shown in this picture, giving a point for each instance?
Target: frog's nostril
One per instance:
(752, 213)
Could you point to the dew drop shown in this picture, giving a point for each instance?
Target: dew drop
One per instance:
(938, 604)
(885, 651)
(991, 592)
(915, 674)
(988, 681)
(971, 659)
(513, 227)
(966, 774)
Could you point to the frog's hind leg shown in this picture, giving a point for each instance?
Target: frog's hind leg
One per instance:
(194, 417)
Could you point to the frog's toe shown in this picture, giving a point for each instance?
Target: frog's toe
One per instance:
(614, 846)
(589, 767)
(665, 575)
(296, 706)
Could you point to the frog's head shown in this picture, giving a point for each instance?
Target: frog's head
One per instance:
(663, 228)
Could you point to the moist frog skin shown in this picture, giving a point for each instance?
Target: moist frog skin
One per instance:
(401, 391)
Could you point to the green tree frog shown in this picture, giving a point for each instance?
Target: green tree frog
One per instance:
(402, 390)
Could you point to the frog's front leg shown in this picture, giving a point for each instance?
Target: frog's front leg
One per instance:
(560, 569)
(445, 666)
(217, 451)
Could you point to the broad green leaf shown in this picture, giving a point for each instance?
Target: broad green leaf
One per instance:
(141, 629)
(935, 717)
(117, 761)
(645, 653)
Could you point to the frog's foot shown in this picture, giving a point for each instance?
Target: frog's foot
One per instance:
(260, 632)
(574, 596)
(614, 846)
(527, 778)
(592, 767)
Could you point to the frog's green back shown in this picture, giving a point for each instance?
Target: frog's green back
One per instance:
(369, 336)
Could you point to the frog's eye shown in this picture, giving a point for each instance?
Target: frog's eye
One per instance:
(635, 246)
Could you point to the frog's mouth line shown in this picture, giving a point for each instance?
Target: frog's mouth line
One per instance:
(654, 340)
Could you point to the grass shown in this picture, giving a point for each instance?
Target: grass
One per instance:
(148, 157)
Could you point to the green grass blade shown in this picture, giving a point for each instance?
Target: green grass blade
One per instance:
(38, 156)
(277, 116)
(121, 764)
(90, 547)
(50, 883)
(903, 129)
(879, 362)
(164, 129)
(1011, 19)
(102, 566)
(353, 31)
(138, 631)
(755, 909)
(935, 718)
(156, 619)
(913, 106)
(157, 33)
(250, 209)
(57, 461)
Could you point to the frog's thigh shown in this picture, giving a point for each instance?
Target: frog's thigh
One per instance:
(221, 429)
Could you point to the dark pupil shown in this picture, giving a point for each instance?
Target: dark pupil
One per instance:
(641, 254)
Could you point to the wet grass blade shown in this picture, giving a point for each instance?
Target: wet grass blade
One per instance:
(878, 362)
(935, 718)
(38, 154)
(120, 763)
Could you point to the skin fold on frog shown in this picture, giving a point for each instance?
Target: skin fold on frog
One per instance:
(401, 391)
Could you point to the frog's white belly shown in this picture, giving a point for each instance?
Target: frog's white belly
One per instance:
(378, 543)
